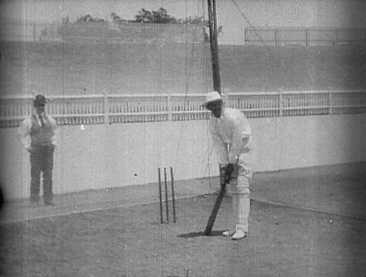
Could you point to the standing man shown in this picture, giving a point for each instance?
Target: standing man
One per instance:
(232, 136)
(38, 135)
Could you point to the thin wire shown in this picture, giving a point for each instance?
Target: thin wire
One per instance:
(246, 19)
(268, 52)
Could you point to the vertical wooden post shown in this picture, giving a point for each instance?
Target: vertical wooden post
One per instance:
(106, 107)
(307, 37)
(34, 31)
(169, 108)
(214, 45)
(335, 42)
(330, 104)
(280, 105)
(246, 39)
(276, 38)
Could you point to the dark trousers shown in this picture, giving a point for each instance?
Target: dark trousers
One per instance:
(41, 158)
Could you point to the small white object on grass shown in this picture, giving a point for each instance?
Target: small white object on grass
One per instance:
(82, 127)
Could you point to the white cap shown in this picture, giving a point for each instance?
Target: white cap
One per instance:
(212, 97)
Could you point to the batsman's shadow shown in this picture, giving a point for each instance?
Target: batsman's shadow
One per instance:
(201, 234)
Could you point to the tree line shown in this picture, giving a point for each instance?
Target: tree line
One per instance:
(160, 16)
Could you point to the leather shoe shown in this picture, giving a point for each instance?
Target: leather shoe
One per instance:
(239, 234)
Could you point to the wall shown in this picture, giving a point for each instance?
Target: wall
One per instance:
(129, 154)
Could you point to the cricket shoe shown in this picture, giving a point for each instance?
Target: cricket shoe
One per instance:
(239, 234)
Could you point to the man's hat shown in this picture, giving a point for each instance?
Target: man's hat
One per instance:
(39, 100)
(212, 96)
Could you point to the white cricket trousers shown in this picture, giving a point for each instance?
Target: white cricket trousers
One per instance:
(240, 191)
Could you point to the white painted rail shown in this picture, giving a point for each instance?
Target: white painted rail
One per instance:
(117, 109)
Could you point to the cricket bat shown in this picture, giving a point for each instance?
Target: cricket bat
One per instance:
(215, 210)
(219, 198)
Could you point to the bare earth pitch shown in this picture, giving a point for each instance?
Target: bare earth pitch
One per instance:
(287, 237)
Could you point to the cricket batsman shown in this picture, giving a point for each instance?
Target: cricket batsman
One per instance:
(232, 139)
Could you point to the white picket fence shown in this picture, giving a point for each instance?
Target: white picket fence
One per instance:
(112, 109)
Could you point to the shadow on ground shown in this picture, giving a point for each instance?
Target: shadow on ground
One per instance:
(201, 234)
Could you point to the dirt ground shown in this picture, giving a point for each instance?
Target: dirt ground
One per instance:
(285, 239)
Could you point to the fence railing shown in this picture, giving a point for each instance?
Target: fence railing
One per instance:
(120, 109)
(304, 36)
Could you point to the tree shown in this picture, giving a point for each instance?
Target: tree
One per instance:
(144, 16)
(116, 19)
(159, 16)
(88, 18)
(66, 20)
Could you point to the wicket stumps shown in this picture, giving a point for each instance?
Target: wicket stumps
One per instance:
(161, 201)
